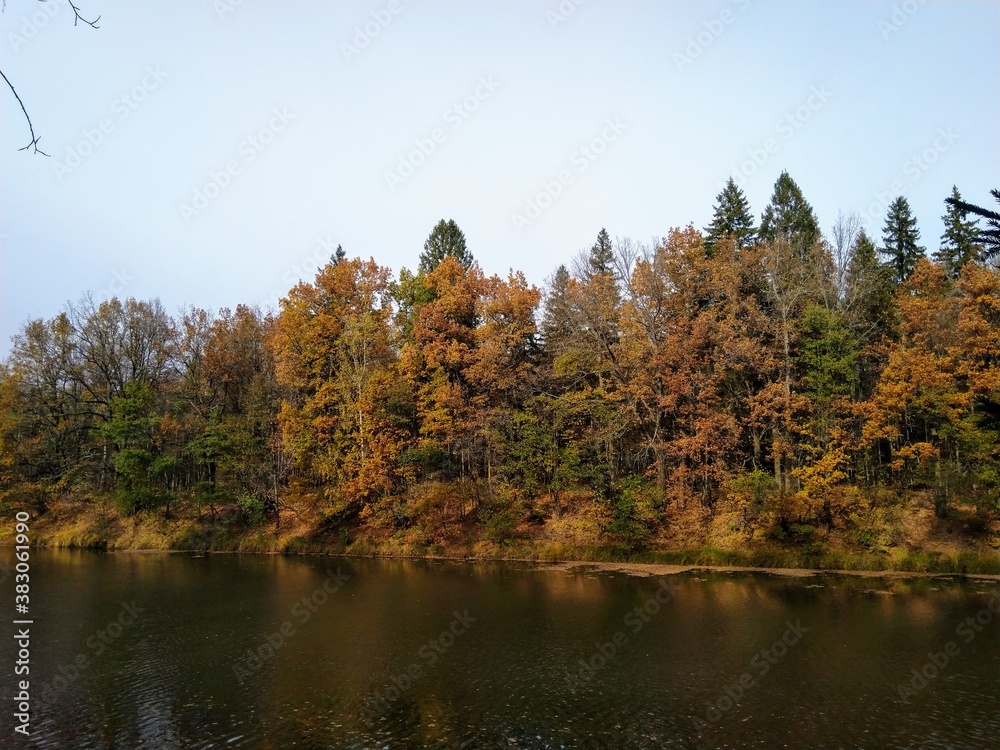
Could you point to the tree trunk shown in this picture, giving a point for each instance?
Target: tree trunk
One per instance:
(777, 462)
(940, 491)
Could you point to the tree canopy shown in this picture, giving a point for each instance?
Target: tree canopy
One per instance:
(767, 376)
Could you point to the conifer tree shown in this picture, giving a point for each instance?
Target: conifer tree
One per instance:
(959, 243)
(444, 240)
(338, 255)
(899, 240)
(558, 324)
(601, 258)
(989, 238)
(789, 217)
(732, 217)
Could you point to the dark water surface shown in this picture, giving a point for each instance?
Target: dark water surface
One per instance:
(408, 654)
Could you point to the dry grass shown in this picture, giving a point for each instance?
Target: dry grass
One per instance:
(906, 538)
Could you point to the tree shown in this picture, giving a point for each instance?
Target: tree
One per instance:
(558, 321)
(230, 380)
(446, 239)
(599, 301)
(869, 309)
(899, 240)
(921, 408)
(732, 218)
(798, 270)
(671, 381)
(789, 217)
(844, 236)
(827, 356)
(132, 431)
(789, 280)
(959, 243)
(602, 255)
(988, 238)
(503, 361)
(335, 356)
(436, 364)
(338, 255)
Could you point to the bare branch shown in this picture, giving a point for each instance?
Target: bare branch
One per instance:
(34, 138)
(77, 17)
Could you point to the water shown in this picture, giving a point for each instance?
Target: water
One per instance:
(413, 654)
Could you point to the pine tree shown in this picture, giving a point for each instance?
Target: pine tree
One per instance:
(338, 255)
(828, 355)
(959, 243)
(445, 239)
(558, 321)
(789, 217)
(989, 238)
(732, 217)
(899, 239)
(869, 306)
(863, 263)
(601, 258)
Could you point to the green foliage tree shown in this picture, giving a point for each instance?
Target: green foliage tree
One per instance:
(602, 255)
(828, 355)
(338, 255)
(869, 309)
(558, 320)
(900, 238)
(790, 217)
(960, 241)
(989, 238)
(732, 218)
(446, 239)
(131, 431)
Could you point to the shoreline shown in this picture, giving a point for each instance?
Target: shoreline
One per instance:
(571, 543)
(634, 569)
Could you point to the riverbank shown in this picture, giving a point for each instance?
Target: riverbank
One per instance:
(929, 546)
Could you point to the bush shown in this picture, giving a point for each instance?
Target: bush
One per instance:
(251, 508)
(130, 500)
(875, 528)
(753, 494)
(633, 503)
(499, 519)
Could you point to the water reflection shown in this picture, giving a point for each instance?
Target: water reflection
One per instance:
(169, 680)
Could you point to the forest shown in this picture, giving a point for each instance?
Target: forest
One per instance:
(792, 385)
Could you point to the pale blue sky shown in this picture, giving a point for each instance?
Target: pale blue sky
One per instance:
(844, 95)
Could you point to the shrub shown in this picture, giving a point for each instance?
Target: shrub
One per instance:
(130, 500)
(632, 505)
(251, 508)
(499, 517)
(754, 494)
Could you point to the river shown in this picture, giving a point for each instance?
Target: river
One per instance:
(137, 650)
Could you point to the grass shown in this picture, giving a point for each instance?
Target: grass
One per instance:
(86, 525)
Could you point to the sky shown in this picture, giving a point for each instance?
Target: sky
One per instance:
(214, 152)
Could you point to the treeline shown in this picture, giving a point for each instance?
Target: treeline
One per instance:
(800, 376)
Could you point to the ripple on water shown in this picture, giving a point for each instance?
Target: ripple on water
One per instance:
(169, 682)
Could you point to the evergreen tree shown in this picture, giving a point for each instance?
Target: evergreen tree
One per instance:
(445, 239)
(899, 239)
(959, 243)
(558, 322)
(789, 216)
(870, 307)
(989, 238)
(732, 217)
(601, 258)
(828, 355)
(338, 255)
(864, 259)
